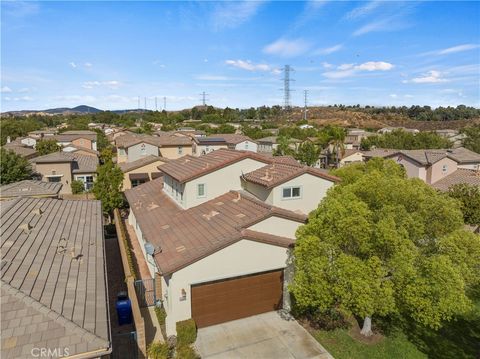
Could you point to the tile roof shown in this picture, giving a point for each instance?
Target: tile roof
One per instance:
(65, 137)
(189, 167)
(277, 173)
(20, 149)
(427, 157)
(80, 163)
(182, 237)
(232, 138)
(461, 175)
(53, 278)
(129, 166)
(129, 140)
(30, 188)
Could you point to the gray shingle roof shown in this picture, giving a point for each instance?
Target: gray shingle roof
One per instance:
(53, 279)
(80, 163)
(30, 188)
(20, 149)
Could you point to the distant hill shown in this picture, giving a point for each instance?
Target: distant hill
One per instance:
(82, 109)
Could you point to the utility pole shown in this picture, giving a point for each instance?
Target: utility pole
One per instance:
(164, 103)
(204, 98)
(286, 86)
(305, 108)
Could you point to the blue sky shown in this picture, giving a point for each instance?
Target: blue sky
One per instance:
(107, 54)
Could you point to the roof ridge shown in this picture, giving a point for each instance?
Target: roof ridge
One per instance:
(54, 315)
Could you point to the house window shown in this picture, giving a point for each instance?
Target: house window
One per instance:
(201, 190)
(54, 178)
(143, 149)
(87, 182)
(444, 168)
(180, 150)
(291, 192)
(136, 183)
(121, 151)
(246, 145)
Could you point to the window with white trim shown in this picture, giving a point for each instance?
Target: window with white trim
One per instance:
(180, 150)
(444, 168)
(201, 190)
(291, 192)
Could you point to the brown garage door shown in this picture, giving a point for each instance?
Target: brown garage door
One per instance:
(235, 298)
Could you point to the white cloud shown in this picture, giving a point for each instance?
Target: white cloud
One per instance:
(212, 78)
(24, 90)
(232, 14)
(93, 84)
(329, 50)
(73, 65)
(393, 95)
(431, 77)
(362, 10)
(452, 50)
(87, 64)
(408, 96)
(249, 66)
(5, 89)
(287, 48)
(349, 70)
(327, 65)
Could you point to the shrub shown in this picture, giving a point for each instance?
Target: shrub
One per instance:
(161, 315)
(157, 350)
(186, 333)
(77, 187)
(186, 352)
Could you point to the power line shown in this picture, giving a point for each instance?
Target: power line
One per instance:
(204, 98)
(286, 86)
(305, 109)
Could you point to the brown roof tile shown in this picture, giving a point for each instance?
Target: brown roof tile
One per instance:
(129, 166)
(185, 236)
(30, 188)
(461, 175)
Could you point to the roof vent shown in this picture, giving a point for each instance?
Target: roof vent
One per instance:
(152, 206)
(26, 227)
(239, 197)
(219, 203)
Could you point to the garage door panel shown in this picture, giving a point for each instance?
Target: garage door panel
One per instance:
(236, 298)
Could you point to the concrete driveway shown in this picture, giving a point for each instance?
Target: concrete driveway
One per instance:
(262, 336)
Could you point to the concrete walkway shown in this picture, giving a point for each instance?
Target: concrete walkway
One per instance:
(262, 336)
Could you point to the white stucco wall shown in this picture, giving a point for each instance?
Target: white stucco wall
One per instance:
(241, 258)
(219, 182)
(247, 146)
(138, 232)
(135, 152)
(277, 226)
(413, 169)
(436, 171)
(312, 191)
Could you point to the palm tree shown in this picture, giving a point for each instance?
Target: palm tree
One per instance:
(337, 141)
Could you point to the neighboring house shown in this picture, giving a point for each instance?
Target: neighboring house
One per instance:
(453, 135)
(132, 147)
(205, 145)
(53, 279)
(141, 171)
(239, 142)
(430, 165)
(64, 167)
(391, 129)
(270, 144)
(28, 141)
(216, 231)
(20, 149)
(30, 188)
(39, 134)
(80, 150)
(354, 138)
(350, 156)
(460, 176)
(85, 139)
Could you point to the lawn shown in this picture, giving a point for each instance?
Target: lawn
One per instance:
(342, 346)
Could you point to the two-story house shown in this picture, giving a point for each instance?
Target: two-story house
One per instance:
(77, 138)
(217, 231)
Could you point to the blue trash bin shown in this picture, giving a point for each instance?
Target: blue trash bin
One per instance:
(124, 309)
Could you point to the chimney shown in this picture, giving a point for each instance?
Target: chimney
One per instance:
(9, 139)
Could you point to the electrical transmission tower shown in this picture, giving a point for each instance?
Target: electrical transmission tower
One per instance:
(305, 108)
(204, 98)
(286, 86)
(164, 103)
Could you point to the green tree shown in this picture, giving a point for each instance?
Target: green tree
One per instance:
(283, 148)
(108, 184)
(383, 245)
(102, 141)
(337, 141)
(472, 141)
(308, 153)
(402, 140)
(77, 187)
(44, 147)
(469, 197)
(13, 167)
